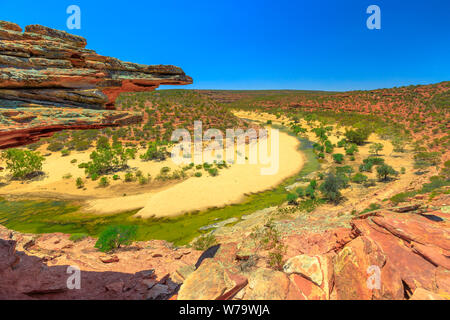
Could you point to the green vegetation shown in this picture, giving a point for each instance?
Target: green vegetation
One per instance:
(107, 159)
(77, 237)
(358, 136)
(155, 151)
(359, 178)
(338, 157)
(115, 236)
(331, 187)
(424, 160)
(385, 172)
(204, 242)
(22, 163)
(375, 148)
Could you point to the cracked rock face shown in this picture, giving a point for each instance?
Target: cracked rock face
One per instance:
(50, 82)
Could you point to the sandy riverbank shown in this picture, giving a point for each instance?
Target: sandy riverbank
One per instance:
(229, 187)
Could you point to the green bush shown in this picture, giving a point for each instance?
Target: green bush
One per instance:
(292, 198)
(129, 177)
(358, 136)
(359, 178)
(375, 148)
(155, 151)
(426, 159)
(300, 192)
(65, 152)
(198, 174)
(204, 242)
(22, 163)
(338, 157)
(114, 237)
(106, 160)
(310, 192)
(331, 187)
(213, 172)
(103, 182)
(385, 172)
(79, 182)
(55, 146)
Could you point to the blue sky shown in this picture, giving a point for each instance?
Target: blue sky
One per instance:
(323, 45)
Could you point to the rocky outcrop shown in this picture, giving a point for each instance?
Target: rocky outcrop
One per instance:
(36, 267)
(392, 254)
(384, 255)
(50, 82)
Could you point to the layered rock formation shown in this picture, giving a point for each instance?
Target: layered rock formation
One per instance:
(392, 254)
(50, 82)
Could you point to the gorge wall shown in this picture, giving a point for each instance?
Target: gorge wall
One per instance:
(50, 82)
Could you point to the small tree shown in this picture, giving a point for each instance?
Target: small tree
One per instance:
(331, 187)
(22, 163)
(375, 148)
(115, 236)
(358, 136)
(384, 172)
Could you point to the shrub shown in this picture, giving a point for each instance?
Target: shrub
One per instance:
(129, 177)
(300, 192)
(358, 136)
(351, 149)
(375, 148)
(155, 152)
(76, 237)
(116, 177)
(115, 236)
(384, 172)
(204, 242)
(331, 187)
(144, 180)
(198, 174)
(79, 182)
(213, 172)
(338, 157)
(67, 176)
(292, 198)
(103, 182)
(359, 178)
(55, 146)
(22, 163)
(106, 160)
(426, 159)
(65, 152)
(310, 192)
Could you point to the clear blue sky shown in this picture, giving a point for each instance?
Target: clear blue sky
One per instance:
(297, 44)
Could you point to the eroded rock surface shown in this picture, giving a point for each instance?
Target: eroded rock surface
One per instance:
(50, 82)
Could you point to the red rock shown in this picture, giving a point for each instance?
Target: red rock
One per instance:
(109, 259)
(422, 294)
(50, 82)
(306, 288)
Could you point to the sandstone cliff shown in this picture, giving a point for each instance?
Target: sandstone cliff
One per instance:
(50, 82)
